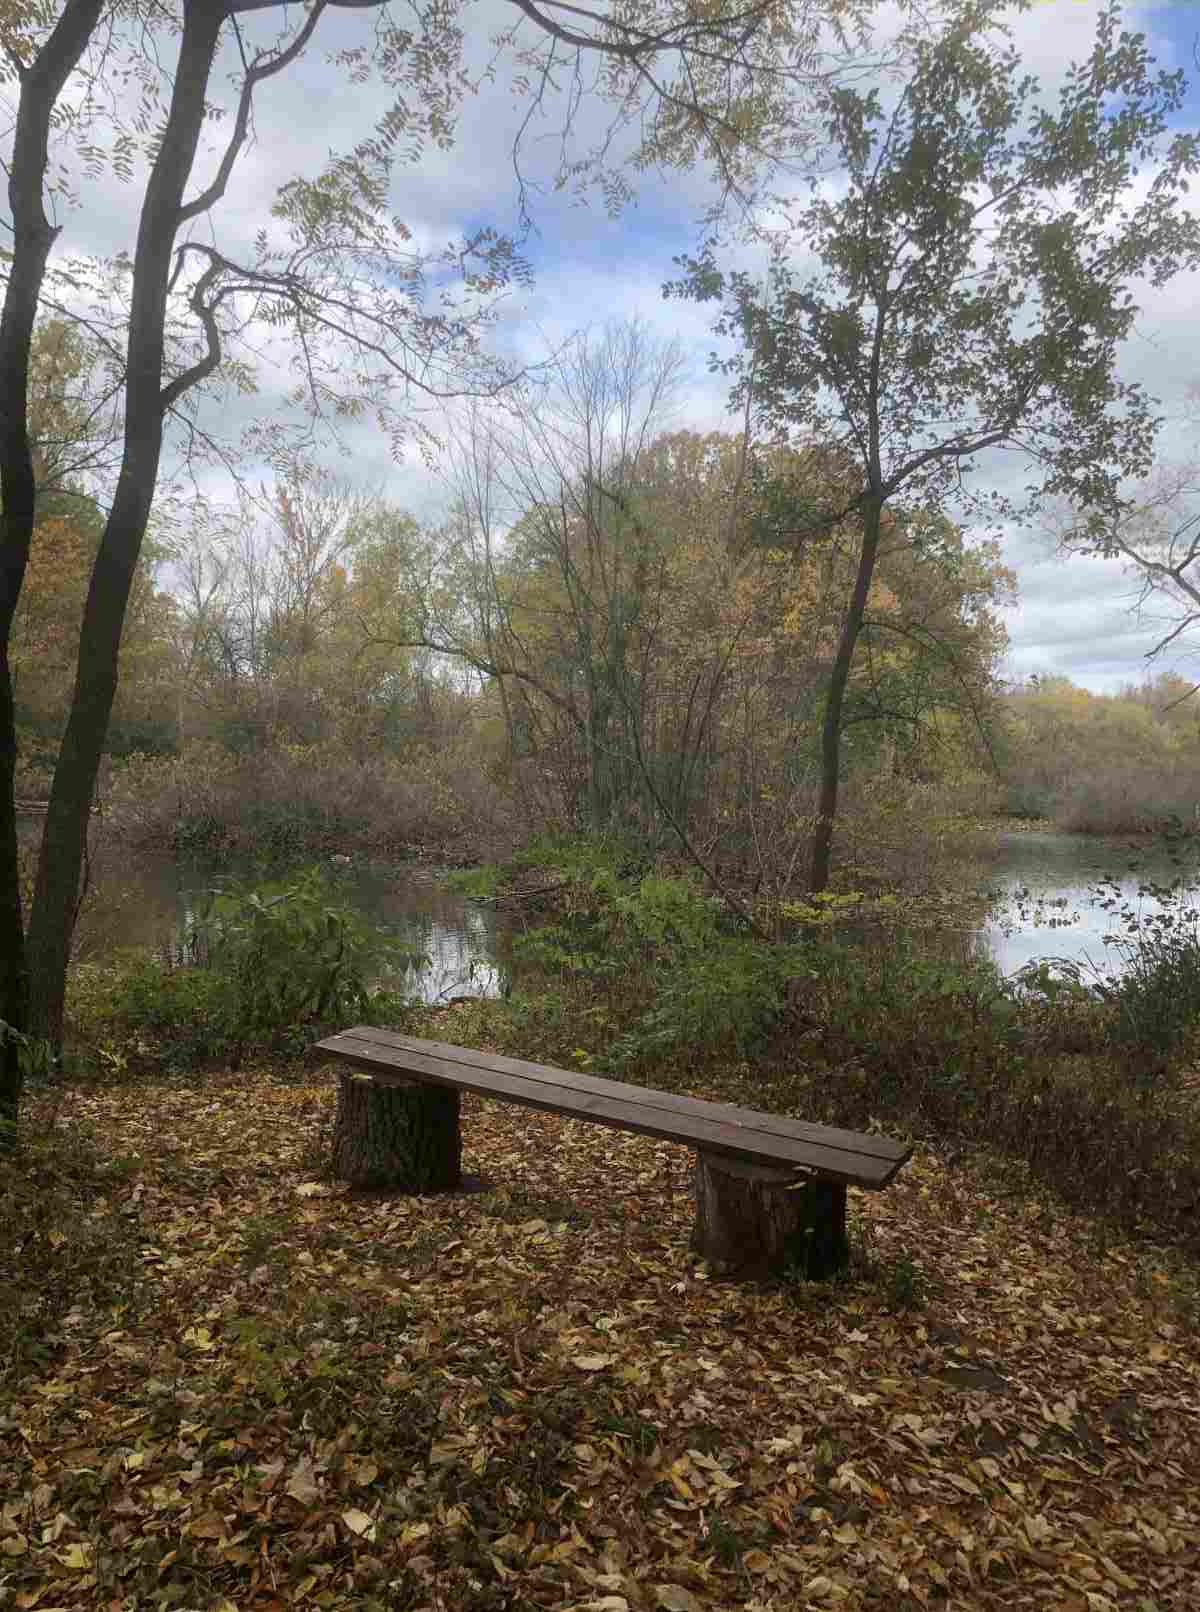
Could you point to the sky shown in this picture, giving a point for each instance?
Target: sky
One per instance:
(1073, 617)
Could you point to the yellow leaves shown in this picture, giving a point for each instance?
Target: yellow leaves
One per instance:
(677, 1480)
(303, 1484)
(211, 1525)
(674, 1598)
(359, 1523)
(795, 1477)
(78, 1558)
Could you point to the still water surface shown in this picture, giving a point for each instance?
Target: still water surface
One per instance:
(1051, 903)
(152, 901)
(1046, 883)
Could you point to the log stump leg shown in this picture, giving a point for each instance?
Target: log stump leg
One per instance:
(406, 1137)
(752, 1220)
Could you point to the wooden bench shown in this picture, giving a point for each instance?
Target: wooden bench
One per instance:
(770, 1191)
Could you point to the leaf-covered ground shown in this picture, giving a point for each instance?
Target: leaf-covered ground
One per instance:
(532, 1397)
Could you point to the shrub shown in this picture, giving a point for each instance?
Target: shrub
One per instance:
(1107, 798)
(293, 953)
(680, 981)
(187, 1012)
(1155, 994)
(275, 961)
(1126, 799)
(921, 836)
(292, 800)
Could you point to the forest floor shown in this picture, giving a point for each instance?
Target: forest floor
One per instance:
(256, 1390)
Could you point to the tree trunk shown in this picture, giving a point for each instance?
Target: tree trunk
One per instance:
(402, 1136)
(839, 677)
(13, 991)
(41, 83)
(60, 864)
(752, 1220)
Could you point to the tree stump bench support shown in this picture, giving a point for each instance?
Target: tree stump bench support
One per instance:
(770, 1190)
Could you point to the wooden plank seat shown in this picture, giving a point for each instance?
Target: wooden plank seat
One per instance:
(770, 1190)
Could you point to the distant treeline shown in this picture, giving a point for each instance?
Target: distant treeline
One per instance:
(1104, 763)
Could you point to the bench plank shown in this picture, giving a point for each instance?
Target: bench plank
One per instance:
(743, 1133)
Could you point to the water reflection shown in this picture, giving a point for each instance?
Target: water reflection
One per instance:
(1051, 904)
(1048, 906)
(465, 943)
(153, 901)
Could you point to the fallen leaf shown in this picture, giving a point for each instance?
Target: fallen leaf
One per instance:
(676, 1599)
(209, 1526)
(303, 1485)
(359, 1523)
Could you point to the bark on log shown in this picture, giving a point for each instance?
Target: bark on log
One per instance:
(402, 1136)
(752, 1220)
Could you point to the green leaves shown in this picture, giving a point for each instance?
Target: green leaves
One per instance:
(296, 953)
(281, 957)
(901, 327)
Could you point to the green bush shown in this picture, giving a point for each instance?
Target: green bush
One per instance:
(296, 952)
(186, 1012)
(1152, 995)
(278, 959)
(680, 980)
(1156, 994)
(727, 995)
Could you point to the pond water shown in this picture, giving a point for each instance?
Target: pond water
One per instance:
(1047, 904)
(152, 901)
(1050, 902)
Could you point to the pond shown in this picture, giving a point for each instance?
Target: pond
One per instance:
(152, 901)
(1047, 904)
(1050, 903)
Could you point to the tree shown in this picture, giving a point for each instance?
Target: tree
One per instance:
(653, 653)
(974, 297)
(45, 633)
(931, 644)
(331, 265)
(586, 573)
(270, 619)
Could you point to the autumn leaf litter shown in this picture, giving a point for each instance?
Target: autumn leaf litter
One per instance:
(535, 1396)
